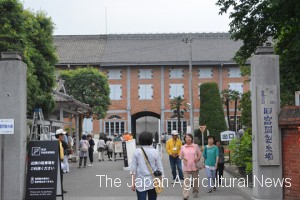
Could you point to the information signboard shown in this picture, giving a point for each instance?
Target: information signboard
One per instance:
(43, 171)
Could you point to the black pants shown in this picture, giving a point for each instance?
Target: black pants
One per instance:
(91, 155)
(220, 170)
(80, 161)
(109, 153)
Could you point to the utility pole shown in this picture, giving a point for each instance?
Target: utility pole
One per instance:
(189, 40)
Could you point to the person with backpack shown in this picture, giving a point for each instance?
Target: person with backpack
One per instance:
(84, 150)
(101, 148)
(110, 147)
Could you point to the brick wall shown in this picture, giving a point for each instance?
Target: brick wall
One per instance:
(289, 121)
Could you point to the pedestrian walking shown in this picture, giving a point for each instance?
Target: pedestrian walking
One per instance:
(221, 160)
(101, 148)
(211, 156)
(59, 135)
(190, 154)
(110, 147)
(91, 149)
(173, 146)
(142, 178)
(84, 150)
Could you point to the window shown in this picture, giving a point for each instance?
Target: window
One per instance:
(206, 72)
(176, 73)
(238, 123)
(115, 92)
(237, 87)
(234, 72)
(112, 127)
(173, 125)
(145, 74)
(145, 91)
(176, 90)
(114, 74)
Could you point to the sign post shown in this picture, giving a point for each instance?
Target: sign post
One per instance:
(44, 171)
(202, 129)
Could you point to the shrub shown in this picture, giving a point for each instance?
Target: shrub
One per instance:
(241, 152)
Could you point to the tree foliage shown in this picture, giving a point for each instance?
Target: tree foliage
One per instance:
(30, 34)
(246, 112)
(179, 106)
(211, 109)
(255, 22)
(89, 86)
(241, 149)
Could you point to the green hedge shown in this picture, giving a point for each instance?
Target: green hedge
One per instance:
(211, 110)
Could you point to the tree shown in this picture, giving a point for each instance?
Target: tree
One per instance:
(179, 106)
(245, 107)
(211, 109)
(89, 86)
(30, 34)
(235, 96)
(255, 22)
(226, 98)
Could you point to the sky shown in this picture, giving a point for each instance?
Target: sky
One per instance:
(90, 17)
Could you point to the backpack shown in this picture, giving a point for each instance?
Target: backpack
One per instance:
(85, 146)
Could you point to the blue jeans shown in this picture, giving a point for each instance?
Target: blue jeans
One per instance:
(176, 162)
(211, 177)
(143, 195)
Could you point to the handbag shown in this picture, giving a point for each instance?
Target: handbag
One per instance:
(157, 181)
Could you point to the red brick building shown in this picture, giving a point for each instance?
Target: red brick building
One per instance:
(145, 71)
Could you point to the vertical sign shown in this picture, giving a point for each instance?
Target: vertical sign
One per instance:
(268, 129)
(43, 173)
(125, 154)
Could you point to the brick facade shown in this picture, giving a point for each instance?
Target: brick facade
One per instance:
(289, 122)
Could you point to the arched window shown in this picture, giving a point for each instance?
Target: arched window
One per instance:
(114, 117)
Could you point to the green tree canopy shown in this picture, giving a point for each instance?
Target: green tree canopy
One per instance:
(30, 34)
(255, 22)
(89, 86)
(211, 109)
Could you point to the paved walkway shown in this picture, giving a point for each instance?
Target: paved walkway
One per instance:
(84, 184)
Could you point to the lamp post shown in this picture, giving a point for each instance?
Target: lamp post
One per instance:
(189, 40)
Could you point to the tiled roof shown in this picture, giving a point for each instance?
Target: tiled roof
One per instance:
(144, 48)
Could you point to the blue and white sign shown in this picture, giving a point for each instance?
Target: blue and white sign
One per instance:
(227, 135)
(7, 126)
(268, 129)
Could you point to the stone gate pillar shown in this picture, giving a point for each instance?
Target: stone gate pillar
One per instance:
(266, 140)
(13, 144)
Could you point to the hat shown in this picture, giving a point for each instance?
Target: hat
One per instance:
(60, 131)
(174, 132)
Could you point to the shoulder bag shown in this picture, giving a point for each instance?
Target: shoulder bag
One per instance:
(157, 179)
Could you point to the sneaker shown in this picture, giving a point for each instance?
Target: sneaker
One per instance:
(173, 181)
(90, 165)
(83, 166)
(185, 198)
(99, 160)
(102, 159)
(209, 191)
(214, 188)
(79, 167)
(195, 195)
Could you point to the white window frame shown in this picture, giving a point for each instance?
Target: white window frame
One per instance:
(145, 91)
(175, 73)
(233, 86)
(176, 90)
(145, 73)
(234, 72)
(114, 95)
(176, 125)
(205, 72)
(114, 123)
(114, 74)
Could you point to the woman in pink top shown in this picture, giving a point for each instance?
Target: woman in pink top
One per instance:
(190, 154)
